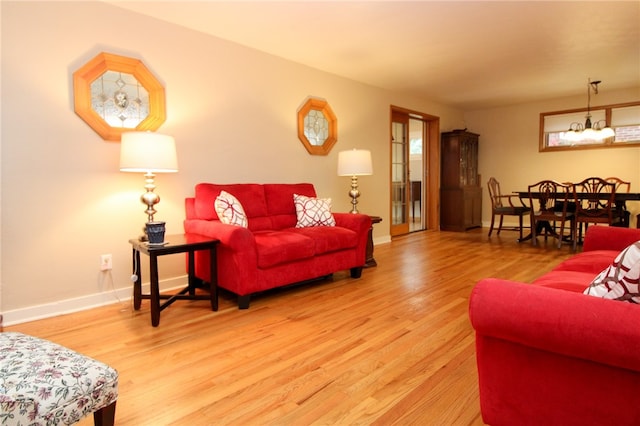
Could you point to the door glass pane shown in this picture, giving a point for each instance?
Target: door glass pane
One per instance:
(398, 173)
(416, 142)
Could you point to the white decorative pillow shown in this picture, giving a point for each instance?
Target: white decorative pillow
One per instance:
(313, 211)
(230, 210)
(621, 279)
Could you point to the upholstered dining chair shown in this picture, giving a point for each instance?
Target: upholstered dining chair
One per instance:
(549, 204)
(623, 213)
(503, 205)
(594, 198)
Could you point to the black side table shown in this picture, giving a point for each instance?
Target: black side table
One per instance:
(187, 243)
(370, 261)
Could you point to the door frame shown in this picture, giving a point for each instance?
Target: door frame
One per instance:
(431, 171)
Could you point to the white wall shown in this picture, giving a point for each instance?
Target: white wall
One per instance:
(509, 148)
(231, 109)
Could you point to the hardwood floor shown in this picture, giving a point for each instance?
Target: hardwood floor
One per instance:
(393, 347)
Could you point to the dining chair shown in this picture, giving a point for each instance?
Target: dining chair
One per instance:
(594, 198)
(549, 201)
(503, 205)
(621, 210)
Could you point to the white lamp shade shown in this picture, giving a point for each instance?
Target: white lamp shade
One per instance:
(356, 162)
(148, 152)
(608, 132)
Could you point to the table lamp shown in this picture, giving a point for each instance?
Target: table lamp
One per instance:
(148, 153)
(354, 163)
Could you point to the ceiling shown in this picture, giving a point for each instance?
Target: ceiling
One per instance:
(468, 54)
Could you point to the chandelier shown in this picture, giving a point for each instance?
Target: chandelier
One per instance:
(597, 131)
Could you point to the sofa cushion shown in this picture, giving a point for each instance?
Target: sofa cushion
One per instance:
(588, 261)
(277, 247)
(250, 195)
(279, 197)
(229, 210)
(312, 211)
(328, 239)
(621, 279)
(575, 281)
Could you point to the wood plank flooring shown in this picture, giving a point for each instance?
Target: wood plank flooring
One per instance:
(394, 347)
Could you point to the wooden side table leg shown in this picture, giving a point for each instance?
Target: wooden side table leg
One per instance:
(137, 285)
(191, 270)
(369, 260)
(213, 262)
(155, 290)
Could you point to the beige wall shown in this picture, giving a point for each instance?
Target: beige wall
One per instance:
(232, 111)
(509, 148)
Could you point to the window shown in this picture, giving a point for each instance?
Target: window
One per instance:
(624, 119)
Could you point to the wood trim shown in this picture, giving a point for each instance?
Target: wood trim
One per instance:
(103, 62)
(432, 175)
(322, 106)
(605, 144)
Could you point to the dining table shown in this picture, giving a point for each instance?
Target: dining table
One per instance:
(620, 200)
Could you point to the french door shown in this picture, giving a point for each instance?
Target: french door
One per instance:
(399, 173)
(415, 170)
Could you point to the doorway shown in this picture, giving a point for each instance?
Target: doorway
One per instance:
(414, 171)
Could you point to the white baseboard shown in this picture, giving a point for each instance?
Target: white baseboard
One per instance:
(62, 307)
(77, 304)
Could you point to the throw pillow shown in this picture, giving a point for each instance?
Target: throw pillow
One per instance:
(230, 210)
(621, 279)
(313, 211)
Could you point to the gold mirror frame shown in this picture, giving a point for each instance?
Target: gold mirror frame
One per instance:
(323, 107)
(84, 77)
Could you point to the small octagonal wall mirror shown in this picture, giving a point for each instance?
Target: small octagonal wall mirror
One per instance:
(317, 126)
(114, 94)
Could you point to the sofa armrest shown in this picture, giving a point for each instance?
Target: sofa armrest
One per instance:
(236, 238)
(356, 222)
(361, 225)
(609, 238)
(557, 321)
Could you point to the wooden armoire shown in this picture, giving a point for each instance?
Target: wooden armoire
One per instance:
(460, 190)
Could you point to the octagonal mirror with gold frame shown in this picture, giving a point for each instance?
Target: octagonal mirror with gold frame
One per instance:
(114, 94)
(317, 126)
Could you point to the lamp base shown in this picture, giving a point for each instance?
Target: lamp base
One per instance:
(354, 194)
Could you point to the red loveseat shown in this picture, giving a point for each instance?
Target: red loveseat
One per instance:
(548, 354)
(271, 252)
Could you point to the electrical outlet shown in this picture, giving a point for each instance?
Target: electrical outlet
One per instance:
(106, 262)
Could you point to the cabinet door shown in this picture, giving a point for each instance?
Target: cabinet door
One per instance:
(472, 207)
(450, 161)
(476, 213)
(469, 161)
(452, 209)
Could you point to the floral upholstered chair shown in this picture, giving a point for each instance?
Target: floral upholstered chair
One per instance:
(42, 383)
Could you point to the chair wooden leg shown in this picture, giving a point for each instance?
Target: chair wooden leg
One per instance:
(560, 235)
(520, 221)
(500, 226)
(105, 416)
(534, 234)
(493, 219)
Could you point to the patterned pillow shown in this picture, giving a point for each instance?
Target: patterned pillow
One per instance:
(313, 211)
(230, 210)
(620, 280)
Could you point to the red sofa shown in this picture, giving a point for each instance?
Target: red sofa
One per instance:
(548, 354)
(271, 252)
